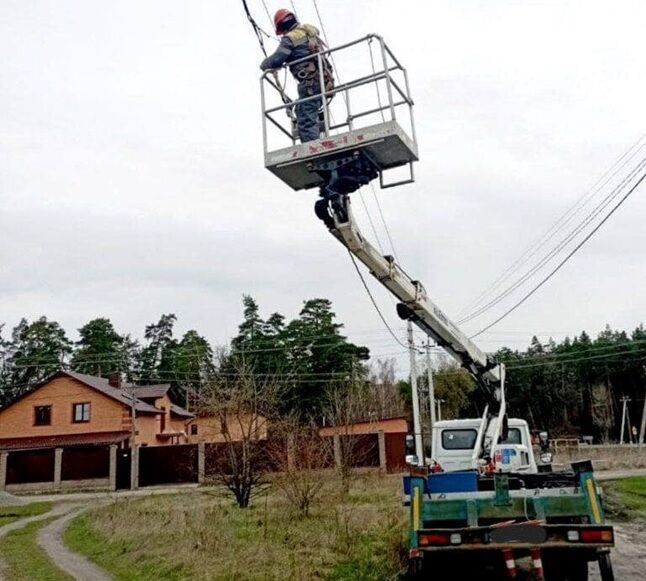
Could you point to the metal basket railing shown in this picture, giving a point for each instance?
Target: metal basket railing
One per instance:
(387, 73)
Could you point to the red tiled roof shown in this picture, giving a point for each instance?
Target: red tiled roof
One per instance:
(121, 395)
(180, 411)
(36, 442)
(150, 391)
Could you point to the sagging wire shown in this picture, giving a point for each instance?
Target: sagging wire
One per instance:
(261, 35)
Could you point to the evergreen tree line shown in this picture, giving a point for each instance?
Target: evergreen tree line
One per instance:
(572, 388)
(576, 387)
(305, 355)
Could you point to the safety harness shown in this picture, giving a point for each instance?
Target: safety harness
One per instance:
(308, 72)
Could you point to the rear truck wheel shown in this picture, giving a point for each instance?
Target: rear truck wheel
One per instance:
(605, 567)
(566, 567)
(415, 569)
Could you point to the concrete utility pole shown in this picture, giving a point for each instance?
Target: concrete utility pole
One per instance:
(431, 387)
(642, 428)
(134, 449)
(624, 410)
(417, 424)
(439, 409)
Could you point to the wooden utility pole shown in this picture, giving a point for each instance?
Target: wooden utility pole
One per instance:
(417, 424)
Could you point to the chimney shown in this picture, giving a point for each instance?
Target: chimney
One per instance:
(114, 379)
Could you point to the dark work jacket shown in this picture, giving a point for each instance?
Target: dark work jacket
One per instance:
(293, 46)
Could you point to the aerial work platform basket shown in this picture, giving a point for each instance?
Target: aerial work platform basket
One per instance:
(369, 116)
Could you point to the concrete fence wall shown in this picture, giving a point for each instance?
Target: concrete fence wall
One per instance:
(101, 468)
(58, 469)
(608, 457)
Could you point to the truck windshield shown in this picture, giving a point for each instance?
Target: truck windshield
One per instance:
(459, 439)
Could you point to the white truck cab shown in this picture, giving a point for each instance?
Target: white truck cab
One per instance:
(454, 444)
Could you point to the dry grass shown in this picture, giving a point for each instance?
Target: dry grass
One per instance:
(204, 536)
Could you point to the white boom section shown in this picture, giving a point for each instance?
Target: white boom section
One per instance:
(411, 293)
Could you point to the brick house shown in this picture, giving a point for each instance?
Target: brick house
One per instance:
(379, 442)
(208, 428)
(70, 427)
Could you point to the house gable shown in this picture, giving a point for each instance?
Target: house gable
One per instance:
(61, 393)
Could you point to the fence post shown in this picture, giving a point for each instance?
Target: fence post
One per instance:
(338, 460)
(201, 462)
(383, 464)
(134, 467)
(4, 456)
(58, 466)
(113, 467)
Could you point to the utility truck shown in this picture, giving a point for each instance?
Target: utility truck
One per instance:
(454, 447)
(485, 501)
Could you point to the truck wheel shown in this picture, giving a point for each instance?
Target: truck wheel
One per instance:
(566, 569)
(415, 570)
(605, 567)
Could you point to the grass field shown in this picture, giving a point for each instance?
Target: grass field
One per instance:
(9, 514)
(626, 499)
(358, 536)
(24, 560)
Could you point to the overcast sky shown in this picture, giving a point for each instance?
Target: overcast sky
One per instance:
(132, 180)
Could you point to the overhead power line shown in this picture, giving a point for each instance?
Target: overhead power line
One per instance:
(565, 260)
(564, 219)
(604, 356)
(374, 303)
(561, 245)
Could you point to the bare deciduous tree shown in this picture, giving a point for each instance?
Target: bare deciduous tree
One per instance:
(244, 404)
(299, 455)
(384, 395)
(347, 405)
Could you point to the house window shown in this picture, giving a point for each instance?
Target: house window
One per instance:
(193, 429)
(163, 420)
(81, 413)
(43, 415)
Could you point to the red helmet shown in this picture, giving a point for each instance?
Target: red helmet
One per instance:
(282, 18)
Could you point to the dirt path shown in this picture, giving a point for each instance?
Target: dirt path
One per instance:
(50, 538)
(58, 510)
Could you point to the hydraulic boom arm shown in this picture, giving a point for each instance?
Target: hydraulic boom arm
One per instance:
(336, 212)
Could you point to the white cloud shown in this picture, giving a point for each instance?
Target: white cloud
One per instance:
(131, 176)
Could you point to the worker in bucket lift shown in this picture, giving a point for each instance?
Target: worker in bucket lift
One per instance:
(300, 41)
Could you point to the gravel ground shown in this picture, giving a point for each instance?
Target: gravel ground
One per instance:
(629, 555)
(7, 499)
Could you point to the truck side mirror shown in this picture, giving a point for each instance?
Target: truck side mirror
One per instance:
(410, 445)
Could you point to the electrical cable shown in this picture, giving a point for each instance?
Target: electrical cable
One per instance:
(374, 303)
(565, 218)
(564, 261)
(271, 20)
(560, 246)
(256, 28)
(577, 359)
